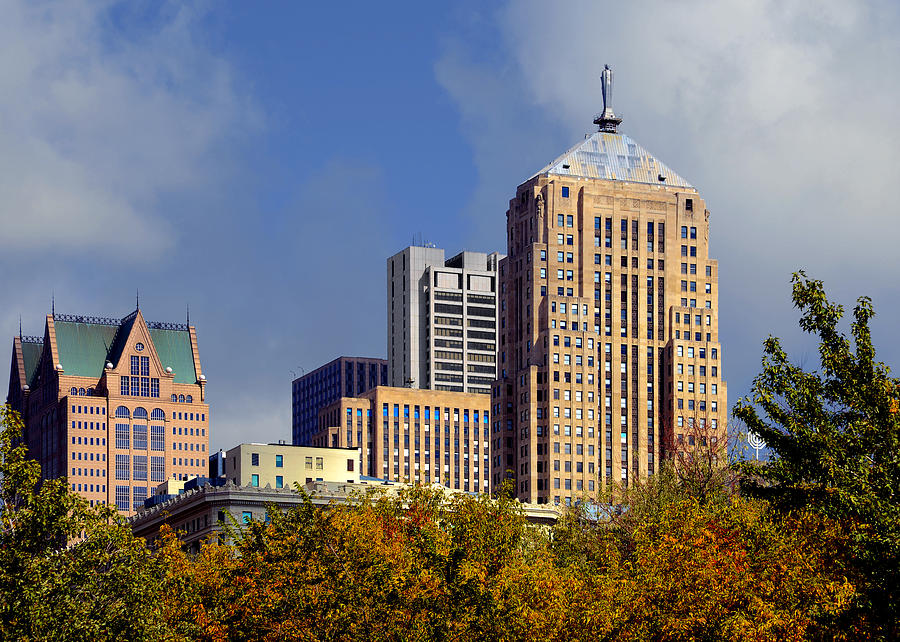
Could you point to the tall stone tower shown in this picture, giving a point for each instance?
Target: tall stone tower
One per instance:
(609, 345)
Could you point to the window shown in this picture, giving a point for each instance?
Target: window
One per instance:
(123, 467)
(157, 438)
(135, 365)
(254, 459)
(309, 463)
(565, 192)
(320, 463)
(140, 468)
(279, 461)
(123, 497)
(157, 469)
(254, 480)
(247, 516)
(145, 367)
(279, 481)
(684, 231)
(349, 465)
(124, 389)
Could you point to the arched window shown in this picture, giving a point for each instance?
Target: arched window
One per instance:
(73, 391)
(181, 398)
(174, 398)
(81, 392)
(189, 399)
(90, 392)
(158, 414)
(140, 413)
(123, 413)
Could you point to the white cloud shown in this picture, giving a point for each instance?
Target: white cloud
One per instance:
(783, 113)
(104, 114)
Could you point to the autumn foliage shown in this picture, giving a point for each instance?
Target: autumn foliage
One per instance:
(422, 566)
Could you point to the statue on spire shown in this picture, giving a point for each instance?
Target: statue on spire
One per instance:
(607, 120)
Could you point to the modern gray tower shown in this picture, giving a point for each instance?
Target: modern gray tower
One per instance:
(442, 319)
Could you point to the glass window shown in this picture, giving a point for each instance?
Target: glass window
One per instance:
(254, 480)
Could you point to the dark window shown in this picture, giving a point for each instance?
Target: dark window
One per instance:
(565, 192)
(254, 459)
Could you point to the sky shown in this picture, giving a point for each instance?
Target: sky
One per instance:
(259, 162)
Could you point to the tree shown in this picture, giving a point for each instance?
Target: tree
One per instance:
(834, 439)
(67, 570)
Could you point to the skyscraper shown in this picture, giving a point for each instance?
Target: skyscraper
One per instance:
(609, 353)
(442, 320)
(114, 405)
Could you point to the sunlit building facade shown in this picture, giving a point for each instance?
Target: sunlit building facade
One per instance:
(115, 406)
(609, 346)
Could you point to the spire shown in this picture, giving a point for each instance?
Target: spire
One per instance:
(607, 120)
(53, 305)
(20, 327)
(189, 314)
(137, 299)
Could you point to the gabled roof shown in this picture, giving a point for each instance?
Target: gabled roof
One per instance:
(31, 356)
(85, 344)
(613, 157)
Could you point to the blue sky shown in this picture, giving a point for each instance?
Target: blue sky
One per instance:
(260, 161)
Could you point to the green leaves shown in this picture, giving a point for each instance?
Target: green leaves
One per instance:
(834, 436)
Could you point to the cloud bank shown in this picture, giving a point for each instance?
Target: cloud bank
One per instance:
(783, 114)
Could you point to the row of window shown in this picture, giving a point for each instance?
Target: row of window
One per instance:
(89, 472)
(714, 370)
(138, 386)
(158, 414)
(138, 472)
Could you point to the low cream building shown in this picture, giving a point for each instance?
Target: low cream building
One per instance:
(281, 465)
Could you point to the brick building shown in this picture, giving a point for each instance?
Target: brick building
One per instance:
(114, 405)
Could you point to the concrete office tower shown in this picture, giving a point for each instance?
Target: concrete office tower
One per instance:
(114, 405)
(442, 320)
(609, 350)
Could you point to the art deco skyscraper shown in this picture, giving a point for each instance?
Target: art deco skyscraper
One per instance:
(609, 355)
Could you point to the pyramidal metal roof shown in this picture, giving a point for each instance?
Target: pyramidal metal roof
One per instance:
(613, 157)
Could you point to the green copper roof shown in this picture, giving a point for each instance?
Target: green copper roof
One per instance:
(31, 355)
(174, 350)
(83, 347)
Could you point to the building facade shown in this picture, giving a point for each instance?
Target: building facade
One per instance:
(114, 405)
(442, 320)
(205, 510)
(410, 435)
(343, 377)
(610, 349)
(283, 465)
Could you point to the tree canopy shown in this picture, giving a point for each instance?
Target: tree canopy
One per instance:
(834, 439)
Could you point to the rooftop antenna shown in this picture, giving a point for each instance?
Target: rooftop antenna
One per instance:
(189, 314)
(607, 120)
(137, 299)
(52, 304)
(20, 327)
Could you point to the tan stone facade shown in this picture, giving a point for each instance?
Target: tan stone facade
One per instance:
(414, 435)
(283, 465)
(609, 338)
(115, 406)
